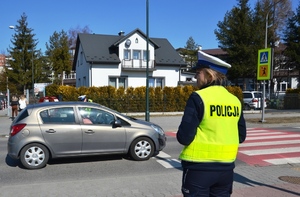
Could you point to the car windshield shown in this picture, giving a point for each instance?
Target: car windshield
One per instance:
(118, 113)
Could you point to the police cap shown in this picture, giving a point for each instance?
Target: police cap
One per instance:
(214, 63)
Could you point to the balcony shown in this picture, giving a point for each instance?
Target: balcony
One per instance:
(69, 79)
(137, 65)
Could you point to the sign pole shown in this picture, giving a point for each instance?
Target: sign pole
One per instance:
(263, 73)
(262, 103)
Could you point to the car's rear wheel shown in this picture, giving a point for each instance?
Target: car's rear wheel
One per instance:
(142, 149)
(246, 107)
(34, 156)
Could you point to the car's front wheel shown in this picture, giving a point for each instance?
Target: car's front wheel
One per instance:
(34, 156)
(142, 149)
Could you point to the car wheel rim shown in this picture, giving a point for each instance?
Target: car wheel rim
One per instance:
(142, 149)
(34, 156)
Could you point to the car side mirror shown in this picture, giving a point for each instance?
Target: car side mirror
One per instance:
(117, 123)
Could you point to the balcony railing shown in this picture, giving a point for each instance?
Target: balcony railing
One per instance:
(72, 75)
(137, 65)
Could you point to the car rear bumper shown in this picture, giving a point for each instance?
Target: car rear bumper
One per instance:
(11, 151)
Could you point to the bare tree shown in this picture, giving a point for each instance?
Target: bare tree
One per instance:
(73, 32)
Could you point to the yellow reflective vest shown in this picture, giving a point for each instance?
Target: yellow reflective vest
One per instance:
(217, 137)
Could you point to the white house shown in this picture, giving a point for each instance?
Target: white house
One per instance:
(121, 61)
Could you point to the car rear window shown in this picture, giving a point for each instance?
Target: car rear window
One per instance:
(23, 114)
(257, 95)
(247, 95)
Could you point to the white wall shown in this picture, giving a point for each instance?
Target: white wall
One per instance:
(294, 83)
(82, 70)
(141, 45)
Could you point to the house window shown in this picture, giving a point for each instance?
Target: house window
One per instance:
(136, 54)
(84, 81)
(151, 82)
(113, 81)
(118, 82)
(156, 82)
(136, 40)
(145, 55)
(81, 58)
(159, 82)
(122, 81)
(127, 54)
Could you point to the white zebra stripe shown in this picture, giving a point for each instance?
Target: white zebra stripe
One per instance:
(271, 151)
(283, 160)
(245, 144)
(273, 137)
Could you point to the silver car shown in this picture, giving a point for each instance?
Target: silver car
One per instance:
(62, 129)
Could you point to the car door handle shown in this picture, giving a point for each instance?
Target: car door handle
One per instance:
(89, 131)
(51, 131)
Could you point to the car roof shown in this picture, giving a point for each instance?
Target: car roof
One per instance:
(63, 103)
(44, 105)
(68, 103)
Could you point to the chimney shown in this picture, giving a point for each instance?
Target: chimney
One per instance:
(121, 33)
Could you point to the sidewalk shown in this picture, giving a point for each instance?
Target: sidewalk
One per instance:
(268, 181)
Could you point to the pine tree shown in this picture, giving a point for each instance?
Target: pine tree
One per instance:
(242, 33)
(190, 52)
(236, 36)
(23, 56)
(292, 41)
(59, 56)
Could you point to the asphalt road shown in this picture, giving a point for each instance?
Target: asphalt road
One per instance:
(112, 176)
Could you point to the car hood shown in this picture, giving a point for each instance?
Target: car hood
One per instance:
(144, 122)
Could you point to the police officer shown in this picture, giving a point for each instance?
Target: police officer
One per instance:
(210, 130)
(86, 112)
(84, 99)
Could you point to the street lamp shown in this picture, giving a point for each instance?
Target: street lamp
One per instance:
(32, 73)
(147, 64)
(262, 100)
(7, 91)
(8, 98)
(266, 46)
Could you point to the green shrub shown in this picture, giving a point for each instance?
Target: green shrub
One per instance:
(167, 99)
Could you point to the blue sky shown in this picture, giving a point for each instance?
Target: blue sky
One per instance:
(175, 20)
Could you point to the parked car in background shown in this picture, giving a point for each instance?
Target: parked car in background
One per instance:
(64, 129)
(252, 100)
(48, 99)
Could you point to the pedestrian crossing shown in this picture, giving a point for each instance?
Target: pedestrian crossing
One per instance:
(166, 161)
(264, 147)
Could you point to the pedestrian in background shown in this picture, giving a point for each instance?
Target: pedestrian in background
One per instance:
(211, 129)
(14, 106)
(22, 102)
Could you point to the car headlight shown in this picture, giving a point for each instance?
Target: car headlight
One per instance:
(158, 129)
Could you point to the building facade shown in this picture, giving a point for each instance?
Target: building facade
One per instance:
(121, 61)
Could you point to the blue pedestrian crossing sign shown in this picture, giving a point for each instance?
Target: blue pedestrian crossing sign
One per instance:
(264, 64)
(264, 57)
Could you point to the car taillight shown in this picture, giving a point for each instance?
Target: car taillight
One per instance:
(16, 129)
(254, 100)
